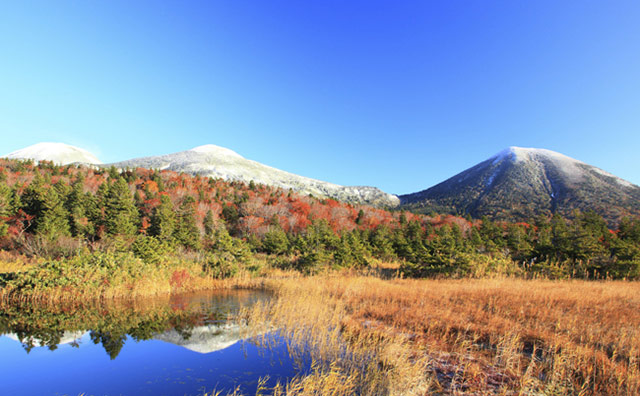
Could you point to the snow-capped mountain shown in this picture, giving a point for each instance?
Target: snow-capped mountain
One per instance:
(68, 337)
(59, 153)
(219, 162)
(204, 339)
(519, 183)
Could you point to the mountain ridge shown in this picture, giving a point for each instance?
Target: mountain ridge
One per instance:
(220, 162)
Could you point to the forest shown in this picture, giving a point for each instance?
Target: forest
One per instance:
(72, 216)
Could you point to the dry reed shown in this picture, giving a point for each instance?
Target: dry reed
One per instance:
(501, 336)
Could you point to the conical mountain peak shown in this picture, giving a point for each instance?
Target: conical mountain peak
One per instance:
(519, 183)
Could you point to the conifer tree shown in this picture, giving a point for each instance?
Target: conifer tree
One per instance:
(382, 243)
(47, 207)
(5, 205)
(120, 214)
(560, 239)
(163, 221)
(351, 251)
(186, 232)
(82, 210)
(208, 224)
(275, 241)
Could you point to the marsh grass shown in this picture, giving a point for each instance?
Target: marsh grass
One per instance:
(501, 336)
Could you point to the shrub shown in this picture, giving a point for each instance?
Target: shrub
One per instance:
(221, 265)
(150, 249)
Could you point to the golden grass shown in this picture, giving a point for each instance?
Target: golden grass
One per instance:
(374, 337)
(310, 316)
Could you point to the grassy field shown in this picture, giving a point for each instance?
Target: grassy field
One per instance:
(378, 337)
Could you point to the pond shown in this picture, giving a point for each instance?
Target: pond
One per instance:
(178, 345)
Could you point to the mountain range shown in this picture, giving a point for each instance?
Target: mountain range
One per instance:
(515, 184)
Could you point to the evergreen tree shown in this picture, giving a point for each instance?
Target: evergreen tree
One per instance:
(586, 235)
(47, 207)
(518, 242)
(401, 246)
(543, 245)
(186, 232)
(560, 240)
(208, 224)
(82, 210)
(351, 251)
(626, 249)
(492, 235)
(475, 240)
(163, 220)
(382, 243)
(6, 208)
(120, 214)
(360, 217)
(275, 241)
(157, 177)
(231, 215)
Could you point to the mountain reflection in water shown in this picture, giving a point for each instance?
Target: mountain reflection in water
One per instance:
(184, 345)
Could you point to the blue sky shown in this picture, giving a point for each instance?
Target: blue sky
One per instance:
(399, 95)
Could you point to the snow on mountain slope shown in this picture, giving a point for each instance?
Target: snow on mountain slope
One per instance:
(67, 337)
(59, 153)
(571, 168)
(519, 183)
(219, 162)
(204, 339)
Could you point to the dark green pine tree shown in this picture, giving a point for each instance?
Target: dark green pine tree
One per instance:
(6, 208)
(81, 207)
(120, 214)
(163, 220)
(275, 241)
(47, 207)
(560, 238)
(360, 217)
(518, 242)
(492, 235)
(187, 232)
(543, 246)
(626, 249)
(351, 250)
(111, 342)
(209, 224)
(382, 243)
(586, 234)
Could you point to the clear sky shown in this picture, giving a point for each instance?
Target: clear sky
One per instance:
(396, 94)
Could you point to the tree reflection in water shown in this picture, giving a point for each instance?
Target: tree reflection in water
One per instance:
(172, 319)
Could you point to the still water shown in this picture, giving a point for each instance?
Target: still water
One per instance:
(179, 345)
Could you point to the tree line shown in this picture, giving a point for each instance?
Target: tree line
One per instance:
(50, 210)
